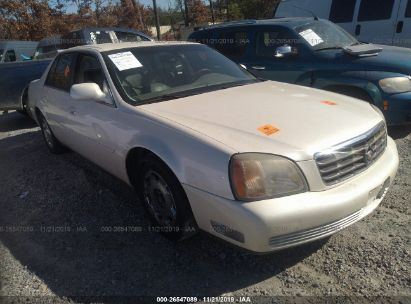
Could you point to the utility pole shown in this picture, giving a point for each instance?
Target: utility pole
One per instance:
(186, 23)
(157, 20)
(212, 11)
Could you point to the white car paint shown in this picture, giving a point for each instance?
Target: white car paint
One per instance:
(197, 136)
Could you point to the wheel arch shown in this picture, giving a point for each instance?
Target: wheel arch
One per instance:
(135, 159)
(24, 97)
(352, 91)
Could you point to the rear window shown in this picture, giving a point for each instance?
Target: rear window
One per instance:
(372, 10)
(232, 44)
(129, 37)
(61, 73)
(342, 11)
(10, 56)
(408, 10)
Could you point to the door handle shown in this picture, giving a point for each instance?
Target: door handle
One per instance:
(358, 29)
(259, 68)
(400, 26)
(73, 112)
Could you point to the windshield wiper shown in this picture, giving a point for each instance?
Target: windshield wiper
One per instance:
(330, 48)
(193, 92)
(232, 85)
(164, 98)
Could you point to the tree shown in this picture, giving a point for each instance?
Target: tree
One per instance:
(198, 12)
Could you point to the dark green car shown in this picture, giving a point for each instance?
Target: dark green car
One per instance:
(319, 54)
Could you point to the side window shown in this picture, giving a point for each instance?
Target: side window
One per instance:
(10, 56)
(268, 41)
(408, 10)
(342, 11)
(129, 37)
(88, 70)
(372, 10)
(203, 38)
(61, 73)
(71, 40)
(232, 44)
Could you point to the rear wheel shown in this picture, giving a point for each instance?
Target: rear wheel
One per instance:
(51, 141)
(165, 200)
(23, 110)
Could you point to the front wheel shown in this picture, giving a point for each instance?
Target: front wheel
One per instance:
(165, 201)
(51, 141)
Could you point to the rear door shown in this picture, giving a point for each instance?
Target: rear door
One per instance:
(376, 21)
(55, 100)
(342, 12)
(402, 35)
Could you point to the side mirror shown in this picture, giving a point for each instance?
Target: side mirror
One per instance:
(284, 51)
(88, 91)
(243, 66)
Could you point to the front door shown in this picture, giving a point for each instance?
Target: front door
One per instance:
(266, 64)
(376, 22)
(93, 121)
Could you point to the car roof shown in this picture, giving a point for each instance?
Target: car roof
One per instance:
(105, 47)
(289, 22)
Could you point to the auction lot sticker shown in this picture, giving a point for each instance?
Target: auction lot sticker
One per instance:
(311, 37)
(125, 61)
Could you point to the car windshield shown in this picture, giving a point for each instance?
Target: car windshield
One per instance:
(157, 73)
(322, 35)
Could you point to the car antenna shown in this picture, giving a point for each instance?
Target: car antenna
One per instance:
(303, 9)
(307, 10)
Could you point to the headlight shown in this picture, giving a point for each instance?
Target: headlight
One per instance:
(395, 85)
(256, 176)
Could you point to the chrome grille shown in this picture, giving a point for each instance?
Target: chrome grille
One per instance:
(351, 157)
(313, 233)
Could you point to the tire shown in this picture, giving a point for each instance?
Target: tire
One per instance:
(165, 200)
(52, 142)
(23, 110)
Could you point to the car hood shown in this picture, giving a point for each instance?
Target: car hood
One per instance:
(391, 59)
(300, 121)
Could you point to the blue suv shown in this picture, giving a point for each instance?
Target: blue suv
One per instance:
(318, 53)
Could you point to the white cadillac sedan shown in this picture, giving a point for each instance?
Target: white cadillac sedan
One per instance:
(261, 164)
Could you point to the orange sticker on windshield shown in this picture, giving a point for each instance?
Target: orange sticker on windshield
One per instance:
(268, 130)
(329, 103)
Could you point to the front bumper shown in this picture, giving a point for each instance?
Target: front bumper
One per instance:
(399, 109)
(274, 224)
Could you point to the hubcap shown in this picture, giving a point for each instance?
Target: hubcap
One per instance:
(159, 199)
(47, 133)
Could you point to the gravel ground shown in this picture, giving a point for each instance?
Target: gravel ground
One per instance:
(55, 210)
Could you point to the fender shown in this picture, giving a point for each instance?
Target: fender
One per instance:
(366, 81)
(185, 155)
(161, 150)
